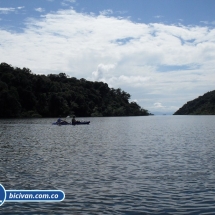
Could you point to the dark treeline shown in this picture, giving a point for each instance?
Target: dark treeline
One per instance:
(203, 105)
(24, 94)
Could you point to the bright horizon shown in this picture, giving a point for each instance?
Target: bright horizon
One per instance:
(160, 52)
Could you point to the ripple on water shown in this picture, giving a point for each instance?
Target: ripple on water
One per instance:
(135, 165)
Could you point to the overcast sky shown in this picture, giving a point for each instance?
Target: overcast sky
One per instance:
(160, 52)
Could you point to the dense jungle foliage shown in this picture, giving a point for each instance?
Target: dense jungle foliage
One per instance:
(24, 94)
(203, 105)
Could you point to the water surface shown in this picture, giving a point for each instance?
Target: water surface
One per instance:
(116, 165)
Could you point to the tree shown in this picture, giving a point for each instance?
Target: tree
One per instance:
(23, 93)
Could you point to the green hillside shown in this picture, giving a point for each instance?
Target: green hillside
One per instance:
(203, 105)
(24, 94)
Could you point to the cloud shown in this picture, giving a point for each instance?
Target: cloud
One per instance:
(66, 2)
(10, 9)
(153, 62)
(160, 108)
(21, 7)
(208, 23)
(39, 9)
(158, 16)
(7, 10)
(132, 81)
(71, 1)
(106, 12)
(158, 105)
(99, 74)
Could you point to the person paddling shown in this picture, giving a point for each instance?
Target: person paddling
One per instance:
(61, 122)
(74, 121)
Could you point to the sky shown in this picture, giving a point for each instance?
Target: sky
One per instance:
(160, 52)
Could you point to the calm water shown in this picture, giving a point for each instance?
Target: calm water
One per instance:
(128, 165)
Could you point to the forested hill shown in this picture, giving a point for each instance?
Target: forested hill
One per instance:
(24, 94)
(203, 105)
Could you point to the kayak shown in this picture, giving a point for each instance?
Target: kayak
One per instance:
(69, 123)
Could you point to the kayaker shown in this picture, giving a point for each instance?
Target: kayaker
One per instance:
(60, 122)
(74, 121)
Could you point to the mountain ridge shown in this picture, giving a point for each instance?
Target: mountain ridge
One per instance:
(24, 94)
(203, 105)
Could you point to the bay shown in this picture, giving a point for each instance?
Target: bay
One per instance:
(115, 165)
